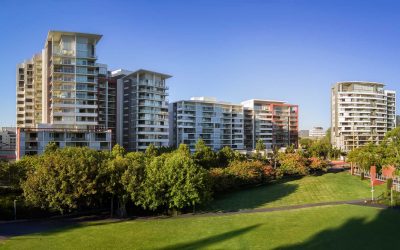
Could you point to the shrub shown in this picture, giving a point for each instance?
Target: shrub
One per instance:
(292, 164)
(241, 173)
(316, 163)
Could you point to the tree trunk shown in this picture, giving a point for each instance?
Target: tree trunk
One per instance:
(112, 206)
(122, 209)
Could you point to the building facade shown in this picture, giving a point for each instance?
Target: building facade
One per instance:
(317, 133)
(219, 124)
(361, 112)
(58, 89)
(276, 123)
(7, 143)
(142, 109)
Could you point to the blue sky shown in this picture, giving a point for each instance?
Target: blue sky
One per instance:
(233, 50)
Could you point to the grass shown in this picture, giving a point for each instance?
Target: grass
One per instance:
(331, 227)
(324, 227)
(310, 189)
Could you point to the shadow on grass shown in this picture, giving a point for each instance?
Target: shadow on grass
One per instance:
(253, 197)
(51, 226)
(357, 233)
(207, 242)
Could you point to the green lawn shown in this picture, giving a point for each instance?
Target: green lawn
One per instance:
(324, 227)
(331, 227)
(311, 189)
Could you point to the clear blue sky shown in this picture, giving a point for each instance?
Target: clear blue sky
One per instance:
(233, 50)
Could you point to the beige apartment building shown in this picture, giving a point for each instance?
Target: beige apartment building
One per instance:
(57, 95)
(361, 112)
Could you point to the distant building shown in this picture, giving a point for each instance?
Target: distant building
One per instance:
(219, 124)
(362, 112)
(274, 122)
(7, 143)
(304, 133)
(397, 120)
(317, 132)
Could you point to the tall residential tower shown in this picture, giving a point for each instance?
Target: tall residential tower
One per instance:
(362, 112)
(57, 95)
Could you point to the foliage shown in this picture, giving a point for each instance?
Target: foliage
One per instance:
(241, 173)
(64, 180)
(204, 155)
(317, 163)
(174, 181)
(366, 156)
(292, 164)
(12, 173)
(227, 155)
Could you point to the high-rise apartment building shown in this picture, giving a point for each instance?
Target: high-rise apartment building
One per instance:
(142, 109)
(58, 95)
(274, 122)
(362, 112)
(219, 124)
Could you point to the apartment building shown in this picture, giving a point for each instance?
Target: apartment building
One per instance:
(142, 109)
(107, 106)
(7, 143)
(361, 112)
(274, 122)
(58, 92)
(219, 124)
(317, 133)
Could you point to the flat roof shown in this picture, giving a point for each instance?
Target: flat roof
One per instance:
(265, 100)
(58, 33)
(361, 82)
(150, 72)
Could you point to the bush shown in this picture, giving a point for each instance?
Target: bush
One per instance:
(292, 164)
(241, 173)
(316, 163)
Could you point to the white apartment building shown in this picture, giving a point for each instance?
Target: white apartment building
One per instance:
(219, 124)
(317, 132)
(58, 90)
(142, 109)
(276, 123)
(362, 112)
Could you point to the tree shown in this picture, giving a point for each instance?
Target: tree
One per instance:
(65, 180)
(292, 164)
(134, 177)
(225, 156)
(151, 151)
(274, 156)
(260, 147)
(366, 156)
(115, 168)
(174, 181)
(204, 156)
(320, 148)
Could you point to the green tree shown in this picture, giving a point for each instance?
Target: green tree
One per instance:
(66, 180)
(115, 168)
(134, 176)
(174, 181)
(225, 156)
(204, 155)
(260, 147)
